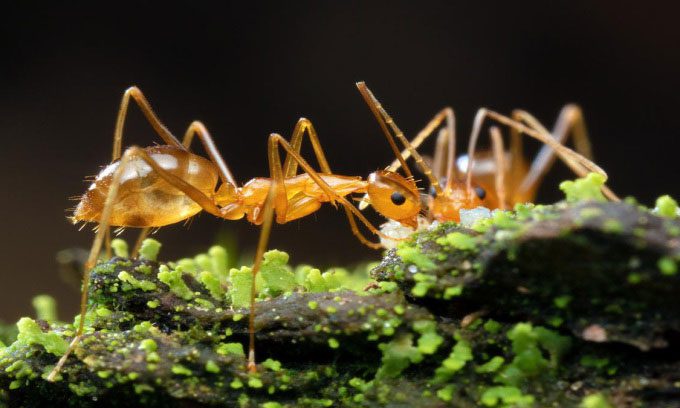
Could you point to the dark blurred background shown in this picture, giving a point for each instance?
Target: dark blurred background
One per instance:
(249, 69)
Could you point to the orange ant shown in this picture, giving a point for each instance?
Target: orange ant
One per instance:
(160, 185)
(493, 179)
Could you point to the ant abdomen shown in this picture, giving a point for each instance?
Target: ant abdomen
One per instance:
(145, 199)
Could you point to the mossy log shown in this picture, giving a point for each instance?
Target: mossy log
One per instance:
(563, 305)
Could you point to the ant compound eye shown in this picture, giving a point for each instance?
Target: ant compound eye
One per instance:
(393, 196)
(481, 193)
(397, 198)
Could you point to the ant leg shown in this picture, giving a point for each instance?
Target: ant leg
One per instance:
(579, 164)
(107, 244)
(137, 95)
(276, 173)
(268, 217)
(569, 123)
(384, 120)
(192, 192)
(197, 128)
(446, 143)
(138, 244)
(499, 158)
(302, 127)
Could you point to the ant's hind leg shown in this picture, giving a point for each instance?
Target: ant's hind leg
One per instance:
(143, 234)
(131, 153)
(569, 123)
(197, 128)
(579, 164)
(137, 95)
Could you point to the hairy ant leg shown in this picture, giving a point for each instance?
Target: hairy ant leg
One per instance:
(579, 164)
(130, 154)
(136, 95)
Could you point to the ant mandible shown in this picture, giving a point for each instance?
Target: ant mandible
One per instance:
(493, 179)
(160, 185)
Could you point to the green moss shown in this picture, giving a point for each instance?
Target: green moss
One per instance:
(254, 382)
(276, 274)
(212, 367)
(491, 366)
(595, 401)
(173, 278)
(45, 308)
(312, 305)
(460, 355)
(667, 266)
(561, 302)
(230, 348)
(333, 343)
(586, 188)
(272, 365)
(397, 355)
(144, 285)
(458, 240)
(120, 248)
(446, 394)
(212, 283)
(30, 333)
(666, 207)
(412, 255)
(429, 341)
(241, 281)
(149, 249)
(181, 370)
(219, 261)
(453, 291)
(506, 396)
(148, 345)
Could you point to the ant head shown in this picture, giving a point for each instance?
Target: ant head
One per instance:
(394, 197)
(455, 197)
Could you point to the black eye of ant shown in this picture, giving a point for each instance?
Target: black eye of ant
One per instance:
(481, 193)
(397, 198)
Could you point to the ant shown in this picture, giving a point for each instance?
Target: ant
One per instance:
(493, 179)
(155, 186)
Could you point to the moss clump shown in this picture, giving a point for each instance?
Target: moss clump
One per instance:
(666, 207)
(30, 333)
(522, 309)
(587, 188)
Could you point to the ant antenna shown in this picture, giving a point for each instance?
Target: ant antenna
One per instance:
(385, 119)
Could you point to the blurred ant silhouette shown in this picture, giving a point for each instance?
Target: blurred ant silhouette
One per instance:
(151, 187)
(496, 179)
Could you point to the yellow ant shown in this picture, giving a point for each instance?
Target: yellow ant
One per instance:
(160, 185)
(495, 179)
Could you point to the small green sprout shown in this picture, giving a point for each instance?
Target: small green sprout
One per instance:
(586, 188)
(173, 278)
(120, 248)
(666, 207)
(149, 249)
(31, 333)
(45, 308)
